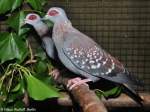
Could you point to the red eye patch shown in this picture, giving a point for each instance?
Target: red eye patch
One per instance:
(32, 17)
(53, 13)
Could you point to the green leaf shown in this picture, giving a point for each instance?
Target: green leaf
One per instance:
(41, 67)
(113, 92)
(16, 21)
(12, 47)
(7, 5)
(38, 90)
(37, 4)
(40, 54)
(3, 34)
(109, 93)
(99, 93)
(46, 79)
(16, 4)
(16, 88)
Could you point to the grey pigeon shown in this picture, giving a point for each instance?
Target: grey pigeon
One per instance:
(47, 43)
(83, 56)
(43, 31)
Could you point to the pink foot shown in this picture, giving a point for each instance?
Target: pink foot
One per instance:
(77, 81)
(55, 73)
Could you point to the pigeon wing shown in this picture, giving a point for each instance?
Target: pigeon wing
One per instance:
(89, 57)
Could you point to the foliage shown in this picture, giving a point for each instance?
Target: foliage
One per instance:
(114, 92)
(14, 46)
(15, 22)
(7, 6)
(24, 75)
(20, 70)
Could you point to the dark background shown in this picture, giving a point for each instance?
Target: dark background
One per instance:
(122, 27)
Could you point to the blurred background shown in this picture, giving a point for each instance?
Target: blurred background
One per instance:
(122, 27)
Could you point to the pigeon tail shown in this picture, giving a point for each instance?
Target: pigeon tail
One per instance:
(132, 93)
(135, 80)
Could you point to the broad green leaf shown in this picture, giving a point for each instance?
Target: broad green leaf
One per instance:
(12, 47)
(41, 67)
(16, 88)
(37, 4)
(16, 22)
(3, 34)
(16, 4)
(113, 92)
(38, 90)
(46, 79)
(7, 5)
(40, 54)
(99, 93)
(109, 93)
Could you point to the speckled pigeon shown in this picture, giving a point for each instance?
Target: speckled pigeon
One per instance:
(47, 43)
(43, 31)
(81, 55)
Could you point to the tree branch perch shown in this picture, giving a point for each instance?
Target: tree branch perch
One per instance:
(123, 101)
(91, 103)
(85, 97)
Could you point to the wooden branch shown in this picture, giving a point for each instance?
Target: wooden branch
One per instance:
(65, 100)
(126, 101)
(123, 101)
(85, 97)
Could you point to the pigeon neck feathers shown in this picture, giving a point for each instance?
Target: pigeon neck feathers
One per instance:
(41, 28)
(62, 26)
(59, 30)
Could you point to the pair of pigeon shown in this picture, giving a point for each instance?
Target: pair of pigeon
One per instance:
(80, 54)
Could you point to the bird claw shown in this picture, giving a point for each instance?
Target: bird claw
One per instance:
(55, 73)
(76, 82)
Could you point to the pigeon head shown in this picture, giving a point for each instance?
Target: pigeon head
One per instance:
(32, 19)
(56, 14)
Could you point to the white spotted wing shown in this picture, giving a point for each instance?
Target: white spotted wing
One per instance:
(86, 55)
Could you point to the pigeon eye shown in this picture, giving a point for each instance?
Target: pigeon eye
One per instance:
(53, 13)
(32, 17)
